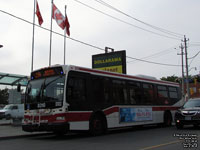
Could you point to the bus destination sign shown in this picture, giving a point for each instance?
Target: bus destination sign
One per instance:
(46, 72)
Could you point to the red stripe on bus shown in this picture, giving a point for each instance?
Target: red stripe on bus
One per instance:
(111, 110)
(78, 116)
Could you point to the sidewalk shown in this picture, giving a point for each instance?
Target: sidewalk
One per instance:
(9, 130)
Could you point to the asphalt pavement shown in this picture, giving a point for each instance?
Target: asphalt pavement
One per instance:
(12, 129)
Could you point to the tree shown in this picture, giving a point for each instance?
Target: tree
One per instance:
(4, 96)
(171, 78)
(191, 79)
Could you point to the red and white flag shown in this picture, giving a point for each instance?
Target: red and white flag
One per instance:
(67, 25)
(60, 19)
(40, 20)
(57, 15)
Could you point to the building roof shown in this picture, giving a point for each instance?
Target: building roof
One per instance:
(13, 79)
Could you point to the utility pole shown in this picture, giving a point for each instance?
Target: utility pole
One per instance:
(183, 77)
(186, 62)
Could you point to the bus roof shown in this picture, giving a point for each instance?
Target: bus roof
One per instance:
(118, 75)
(112, 74)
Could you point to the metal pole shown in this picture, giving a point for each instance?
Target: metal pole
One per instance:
(186, 61)
(65, 36)
(33, 36)
(183, 89)
(50, 33)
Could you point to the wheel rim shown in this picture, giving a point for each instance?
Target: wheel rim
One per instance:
(97, 125)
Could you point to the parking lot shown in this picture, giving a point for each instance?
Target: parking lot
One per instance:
(145, 138)
(12, 129)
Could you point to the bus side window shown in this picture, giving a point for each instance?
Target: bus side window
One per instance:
(162, 95)
(97, 90)
(106, 91)
(100, 92)
(148, 95)
(134, 93)
(119, 92)
(173, 95)
(76, 93)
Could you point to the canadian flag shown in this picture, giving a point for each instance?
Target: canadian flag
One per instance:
(67, 25)
(60, 19)
(40, 20)
(57, 15)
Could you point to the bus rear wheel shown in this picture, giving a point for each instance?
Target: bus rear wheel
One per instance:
(167, 119)
(97, 125)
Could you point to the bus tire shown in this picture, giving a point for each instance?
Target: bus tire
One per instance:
(98, 125)
(167, 119)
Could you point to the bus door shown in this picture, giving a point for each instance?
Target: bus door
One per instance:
(77, 91)
(100, 90)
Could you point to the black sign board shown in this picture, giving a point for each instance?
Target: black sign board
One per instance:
(114, 61)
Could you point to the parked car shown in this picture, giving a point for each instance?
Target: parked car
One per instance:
(188, 114)
(12, 111)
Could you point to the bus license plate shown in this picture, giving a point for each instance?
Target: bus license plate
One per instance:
(188, 118)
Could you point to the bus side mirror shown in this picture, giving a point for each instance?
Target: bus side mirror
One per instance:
(19, 88)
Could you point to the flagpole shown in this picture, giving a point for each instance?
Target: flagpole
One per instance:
(50, 33)
(65, 36)
(33, 36)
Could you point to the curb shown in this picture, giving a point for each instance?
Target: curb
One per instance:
(11, 122)
(23, 136)
(5, 124)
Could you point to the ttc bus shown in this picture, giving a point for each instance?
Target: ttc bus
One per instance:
(64, 98)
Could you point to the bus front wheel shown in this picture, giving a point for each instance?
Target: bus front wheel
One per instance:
(97, 125)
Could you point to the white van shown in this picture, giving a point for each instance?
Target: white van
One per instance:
(12, 111)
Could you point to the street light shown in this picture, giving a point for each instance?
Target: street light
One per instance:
(1, 46)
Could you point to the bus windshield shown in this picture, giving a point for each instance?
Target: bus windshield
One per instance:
(48, 91)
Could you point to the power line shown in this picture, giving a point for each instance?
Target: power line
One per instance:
(151, 62)
(169, 50)
(96, 47)
(152, 26)
(194, 45)
(196, 42)
(125, 21)
(193, 58)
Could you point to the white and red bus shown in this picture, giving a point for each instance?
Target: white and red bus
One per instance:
(64, 98)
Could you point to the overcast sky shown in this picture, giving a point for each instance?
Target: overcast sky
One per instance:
(95, 28)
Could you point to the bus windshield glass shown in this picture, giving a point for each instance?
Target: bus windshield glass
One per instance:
(48, 92)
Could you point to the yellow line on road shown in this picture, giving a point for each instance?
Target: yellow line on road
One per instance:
(160, 145)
